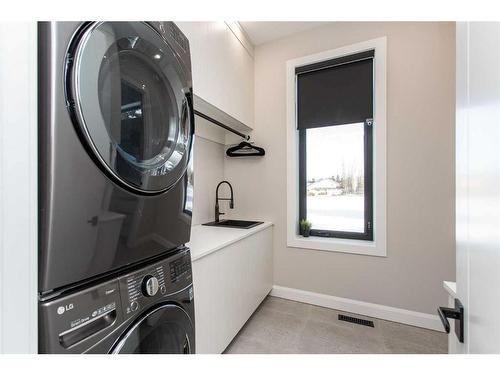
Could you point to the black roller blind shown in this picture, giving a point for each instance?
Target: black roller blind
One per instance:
(335, 92)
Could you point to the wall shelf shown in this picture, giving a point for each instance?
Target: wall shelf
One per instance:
(228, 130)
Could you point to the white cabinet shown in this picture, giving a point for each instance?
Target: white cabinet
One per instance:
(229, 284)
(223, 67)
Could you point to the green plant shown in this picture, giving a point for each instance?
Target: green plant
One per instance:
(305, 225)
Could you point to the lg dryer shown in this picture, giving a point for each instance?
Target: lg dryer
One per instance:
(115, 125)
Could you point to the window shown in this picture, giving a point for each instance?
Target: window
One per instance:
(334, 120)
(336, 149)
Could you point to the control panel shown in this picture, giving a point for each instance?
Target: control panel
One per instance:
(86, 315)
(142, 288)
(179, 268)
(141, 285)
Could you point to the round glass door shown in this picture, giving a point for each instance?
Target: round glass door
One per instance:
(130, 99)
(165, 330)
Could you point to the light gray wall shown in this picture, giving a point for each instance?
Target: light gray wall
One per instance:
(420, 167)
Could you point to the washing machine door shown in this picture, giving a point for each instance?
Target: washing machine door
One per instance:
(130, 97)
(164, 330)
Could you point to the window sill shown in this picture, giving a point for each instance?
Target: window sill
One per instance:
(338, 245)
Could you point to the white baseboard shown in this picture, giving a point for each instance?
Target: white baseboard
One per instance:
(374, 310)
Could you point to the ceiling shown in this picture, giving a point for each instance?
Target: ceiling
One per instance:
(261, 32)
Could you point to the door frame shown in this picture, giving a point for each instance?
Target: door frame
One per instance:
(18, 188)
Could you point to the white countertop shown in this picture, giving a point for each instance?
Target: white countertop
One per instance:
(451, 288)
(206, 239)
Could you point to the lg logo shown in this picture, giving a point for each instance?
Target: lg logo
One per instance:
(62, 309)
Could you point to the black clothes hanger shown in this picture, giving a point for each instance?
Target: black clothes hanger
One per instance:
(245, 149)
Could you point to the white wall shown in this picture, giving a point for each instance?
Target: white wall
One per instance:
(420, 167)
(208, 172)
(210, 162)
(18, 188)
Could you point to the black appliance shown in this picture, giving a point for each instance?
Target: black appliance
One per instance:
(145, 311)
(116, 126)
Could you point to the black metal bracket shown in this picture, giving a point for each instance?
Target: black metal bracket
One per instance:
(218, 123)
(456, 313)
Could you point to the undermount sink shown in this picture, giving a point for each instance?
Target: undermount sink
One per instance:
(242, 224)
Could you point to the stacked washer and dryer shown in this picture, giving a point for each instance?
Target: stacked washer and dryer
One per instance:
(116, 126)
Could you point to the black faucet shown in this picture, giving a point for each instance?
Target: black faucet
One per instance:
(217, 199)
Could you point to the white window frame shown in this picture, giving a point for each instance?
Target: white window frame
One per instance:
(377, 247)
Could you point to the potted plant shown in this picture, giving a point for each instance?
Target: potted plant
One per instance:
(305, 227)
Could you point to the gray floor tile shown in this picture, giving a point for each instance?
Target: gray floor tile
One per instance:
(397, 346)
(279, 329)
(248, 345)
(396, 333)
(325, 338)
(283, 326)
(301, 310)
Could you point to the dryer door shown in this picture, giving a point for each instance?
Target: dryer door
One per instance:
(164, 330)
(129, 96)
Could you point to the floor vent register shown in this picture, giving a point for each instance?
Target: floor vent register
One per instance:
(350, 319)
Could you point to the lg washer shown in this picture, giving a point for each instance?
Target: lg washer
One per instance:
(149, 310)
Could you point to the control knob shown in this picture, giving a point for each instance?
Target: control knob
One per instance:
(150, 286)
